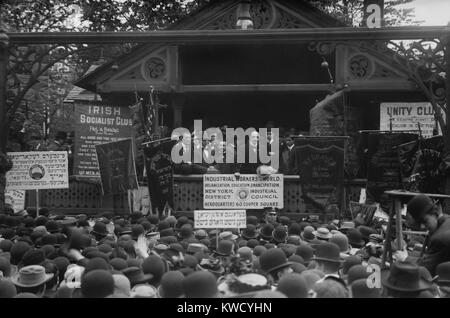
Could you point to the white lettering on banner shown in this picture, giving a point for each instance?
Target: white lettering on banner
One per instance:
(220, 219)
(38, 170)
(405, 116)
(225, 191)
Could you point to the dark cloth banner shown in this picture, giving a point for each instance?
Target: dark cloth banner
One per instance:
(421, 162)
(117, 167)
(320, 163)
(159, 166)
(383, 165)
(97, 123)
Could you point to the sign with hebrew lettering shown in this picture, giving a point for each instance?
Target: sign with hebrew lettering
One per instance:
(220, 219)
(38, 170)
(249, 191)
(15, 199)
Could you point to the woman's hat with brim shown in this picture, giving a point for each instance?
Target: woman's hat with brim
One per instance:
(404, 277)
(31, 276)
(227, 235)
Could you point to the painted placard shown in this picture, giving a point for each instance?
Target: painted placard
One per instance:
(220, 219)
(37, 170)
(405, 116)
(248, 191)
(97, 123)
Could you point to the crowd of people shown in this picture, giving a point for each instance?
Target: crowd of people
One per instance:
(116, 256)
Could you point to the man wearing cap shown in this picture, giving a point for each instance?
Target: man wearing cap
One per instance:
(427, 213)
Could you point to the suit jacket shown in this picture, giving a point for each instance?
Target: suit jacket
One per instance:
(286, 163)
(438, 247)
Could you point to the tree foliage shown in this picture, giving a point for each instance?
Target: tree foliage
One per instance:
(350, 12)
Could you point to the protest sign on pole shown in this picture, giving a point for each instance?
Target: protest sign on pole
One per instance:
(117, 167)
(15, 199)
(320, 162)
(248, 191)
(159, 168)
(220, 219)
(38, 170)
(97, 123)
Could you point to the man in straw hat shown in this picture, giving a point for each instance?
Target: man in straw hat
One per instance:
(31, 279)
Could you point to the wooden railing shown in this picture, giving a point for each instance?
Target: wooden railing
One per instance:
(84, 197)
(188, 193)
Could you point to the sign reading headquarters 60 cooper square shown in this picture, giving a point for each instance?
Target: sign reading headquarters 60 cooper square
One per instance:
(248, 191)
(97, 123)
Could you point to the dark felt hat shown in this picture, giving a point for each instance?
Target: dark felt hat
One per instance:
(273, 259)
(136, 276)
(404, 277)
(328, 252)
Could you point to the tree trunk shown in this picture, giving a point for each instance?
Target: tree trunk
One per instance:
(2, 191)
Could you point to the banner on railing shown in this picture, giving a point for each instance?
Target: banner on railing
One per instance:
(117, 167)
(320, 162)
(158, 164)
(220, 219)
(248, 191)
(38, 170)
(97, 123)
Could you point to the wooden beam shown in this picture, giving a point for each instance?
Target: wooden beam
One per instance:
(256, 88)
(181, 37)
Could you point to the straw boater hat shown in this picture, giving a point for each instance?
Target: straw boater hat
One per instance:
(31, 276)
(323, 233)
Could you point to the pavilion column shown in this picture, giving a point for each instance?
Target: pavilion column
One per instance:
(177, 106)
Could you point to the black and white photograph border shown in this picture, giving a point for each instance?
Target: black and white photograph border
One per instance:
(276, 149)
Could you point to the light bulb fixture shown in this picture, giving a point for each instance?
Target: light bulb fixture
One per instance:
(325, 65)
(244, 19)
